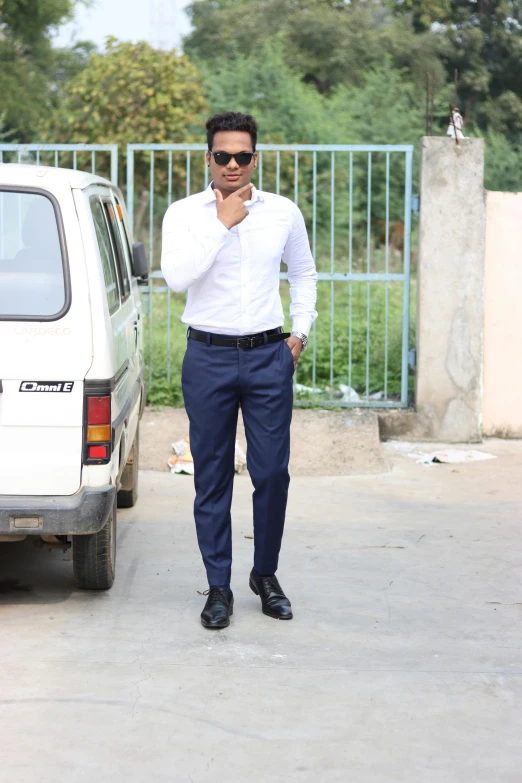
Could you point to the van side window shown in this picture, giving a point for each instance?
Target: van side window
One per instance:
(124, 230)
(107, 258)
(118, 247)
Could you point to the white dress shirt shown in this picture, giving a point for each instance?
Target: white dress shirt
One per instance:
(232, 277)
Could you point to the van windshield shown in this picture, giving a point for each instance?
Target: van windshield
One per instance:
(32, 283)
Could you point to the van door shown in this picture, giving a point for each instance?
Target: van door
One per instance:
(45, 340)
(122, 310)
(132, 304)
(127, 300)
(126, 254)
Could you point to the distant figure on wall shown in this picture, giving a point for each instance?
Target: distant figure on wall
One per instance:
(455, 125)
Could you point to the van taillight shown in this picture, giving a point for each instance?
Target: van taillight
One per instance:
(98, 452)
(98, 419)
(98, 410)
(98, 429)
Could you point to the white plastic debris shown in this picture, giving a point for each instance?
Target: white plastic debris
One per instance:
(240, 459)
(453, 457)
(440, 456)
(180, 447)
(182, 461)
(301, 389)
(349, 394)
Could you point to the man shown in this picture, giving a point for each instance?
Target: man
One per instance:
(224, 246)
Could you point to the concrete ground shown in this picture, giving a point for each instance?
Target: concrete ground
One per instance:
(403, 663)
(324, 443)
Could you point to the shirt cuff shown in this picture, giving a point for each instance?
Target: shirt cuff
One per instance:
(302, 324)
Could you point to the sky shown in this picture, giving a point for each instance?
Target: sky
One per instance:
(161, 22)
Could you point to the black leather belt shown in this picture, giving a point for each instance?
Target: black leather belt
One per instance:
(246, 341)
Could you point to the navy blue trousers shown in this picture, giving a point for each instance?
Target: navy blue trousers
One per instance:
(216, 381)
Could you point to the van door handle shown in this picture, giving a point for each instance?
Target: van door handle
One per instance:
(1, 388)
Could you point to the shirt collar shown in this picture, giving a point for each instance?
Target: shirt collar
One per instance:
(210, 196)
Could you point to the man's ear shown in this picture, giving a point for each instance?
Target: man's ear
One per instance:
(207, 157)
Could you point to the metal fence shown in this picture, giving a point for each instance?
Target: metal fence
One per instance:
(97, 158)
(357, 203)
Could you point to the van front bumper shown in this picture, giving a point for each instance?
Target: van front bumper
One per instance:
(57, 515)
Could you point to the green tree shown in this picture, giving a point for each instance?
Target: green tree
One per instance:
(28, 62)
(4, 135)
(424, 13)
(503, 163)
(262, 83)
(326, 42)
(133, 93)
(129, 93)
(30, 22)
(483, 40)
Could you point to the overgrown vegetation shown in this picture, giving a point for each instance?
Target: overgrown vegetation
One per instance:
(323, 71)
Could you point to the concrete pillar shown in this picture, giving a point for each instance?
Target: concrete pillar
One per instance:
(502, 409)
(450, 298)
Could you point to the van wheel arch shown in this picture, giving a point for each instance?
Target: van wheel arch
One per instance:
(128, 486)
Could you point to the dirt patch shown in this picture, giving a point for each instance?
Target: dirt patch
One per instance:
(324, 443)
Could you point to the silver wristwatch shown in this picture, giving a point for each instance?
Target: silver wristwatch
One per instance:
(303, 338)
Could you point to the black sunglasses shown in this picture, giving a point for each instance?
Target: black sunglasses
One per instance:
(241, 158)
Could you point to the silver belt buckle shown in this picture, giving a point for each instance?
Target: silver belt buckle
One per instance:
(245, 342)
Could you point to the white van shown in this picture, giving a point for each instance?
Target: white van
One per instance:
(71, 363)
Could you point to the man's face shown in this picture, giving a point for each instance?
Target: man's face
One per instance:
(232, 176)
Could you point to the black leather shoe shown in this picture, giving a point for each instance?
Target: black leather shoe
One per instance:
(273, 601)
(219, 607)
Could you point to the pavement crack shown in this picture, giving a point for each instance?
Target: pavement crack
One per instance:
(143, 643)
(138, 691)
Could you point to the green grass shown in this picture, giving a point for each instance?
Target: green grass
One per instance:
(332, 356)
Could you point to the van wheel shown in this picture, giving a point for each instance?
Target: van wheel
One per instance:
(128, 492)
(94, 556)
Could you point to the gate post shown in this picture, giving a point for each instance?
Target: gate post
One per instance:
(450, 298)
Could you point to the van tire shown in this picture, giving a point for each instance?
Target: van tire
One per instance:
(94, 556)
(128, 492)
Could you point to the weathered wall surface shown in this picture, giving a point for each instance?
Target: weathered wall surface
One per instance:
(450, 307)
(502, 405)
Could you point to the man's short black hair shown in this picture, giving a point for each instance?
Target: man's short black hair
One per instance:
(231, 121)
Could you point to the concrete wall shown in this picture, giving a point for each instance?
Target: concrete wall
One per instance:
(450, 306)
(502, 404)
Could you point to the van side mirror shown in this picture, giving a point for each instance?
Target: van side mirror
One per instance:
(140, 267)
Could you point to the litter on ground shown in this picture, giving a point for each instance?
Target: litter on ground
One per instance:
(349, 394)
(302, 389)
(240, 459)
(441, 456)
(182, 461)
(452, 456)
